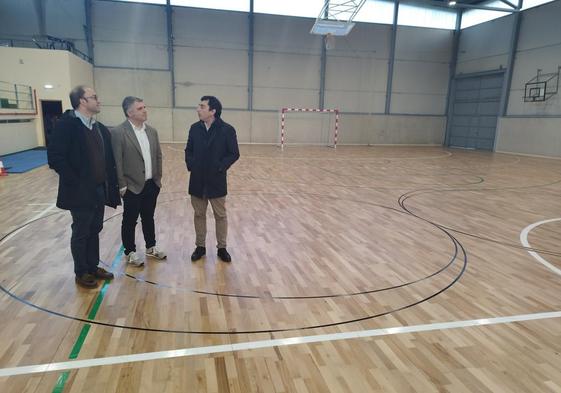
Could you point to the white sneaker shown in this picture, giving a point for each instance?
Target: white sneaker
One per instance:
(134, 259)
(155, 253)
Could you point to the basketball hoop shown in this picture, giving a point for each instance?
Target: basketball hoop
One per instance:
(329, 41)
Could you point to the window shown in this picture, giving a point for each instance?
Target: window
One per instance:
(475, 17)
(422, 16)
(146, 1)
(533, 3)
(376, 11)
(229, 5)
(305, 8)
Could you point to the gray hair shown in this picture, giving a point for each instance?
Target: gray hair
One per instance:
(128, 101)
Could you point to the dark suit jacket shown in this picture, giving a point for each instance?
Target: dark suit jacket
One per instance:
(68, 156)
(208, 156)
(129, 160)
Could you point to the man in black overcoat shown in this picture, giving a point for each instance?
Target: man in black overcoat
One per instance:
(80, 152)
(212, 147)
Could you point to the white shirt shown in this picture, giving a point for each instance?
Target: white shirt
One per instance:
(208, 126)
(142, 138)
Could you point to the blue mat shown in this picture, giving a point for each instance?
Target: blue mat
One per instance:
(24, 161)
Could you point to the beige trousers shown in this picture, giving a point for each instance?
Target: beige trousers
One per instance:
(219, 209)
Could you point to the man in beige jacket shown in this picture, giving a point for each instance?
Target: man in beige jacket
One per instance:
(138, 158)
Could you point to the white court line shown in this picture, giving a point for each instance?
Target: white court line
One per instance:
(23, 226)
(141, 357)
(525, 243)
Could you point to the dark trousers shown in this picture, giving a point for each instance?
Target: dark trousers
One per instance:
(84, 243)
(143, 204)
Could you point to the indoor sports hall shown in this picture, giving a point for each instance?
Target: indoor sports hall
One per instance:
(394, 216)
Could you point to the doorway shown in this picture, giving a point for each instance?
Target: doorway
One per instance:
(472, 121)
(52, 111)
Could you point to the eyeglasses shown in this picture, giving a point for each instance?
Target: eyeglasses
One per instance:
(94, 97)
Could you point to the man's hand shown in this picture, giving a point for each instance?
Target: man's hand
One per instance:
(122, 191)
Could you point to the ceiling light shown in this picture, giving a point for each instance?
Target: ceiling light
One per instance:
(48, 86)
(452, 3)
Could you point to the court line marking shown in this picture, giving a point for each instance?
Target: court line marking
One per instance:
(525, 243)
(142, 357)
(24, 225)
(61, 381)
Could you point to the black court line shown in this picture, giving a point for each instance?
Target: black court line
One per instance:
(234, 331)
(289, 297)
(409, 195)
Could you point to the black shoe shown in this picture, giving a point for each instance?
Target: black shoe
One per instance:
(223, 254)
(198, 253)
(103, 274)
(86, 280)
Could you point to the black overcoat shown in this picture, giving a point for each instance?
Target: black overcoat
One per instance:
(208, 156)
(68, 156)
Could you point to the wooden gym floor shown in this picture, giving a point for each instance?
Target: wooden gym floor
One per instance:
(373, 269)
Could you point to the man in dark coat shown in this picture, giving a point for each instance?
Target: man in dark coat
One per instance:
(212, 147)
(80, 152)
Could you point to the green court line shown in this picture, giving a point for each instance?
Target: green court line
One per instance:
(61, 382)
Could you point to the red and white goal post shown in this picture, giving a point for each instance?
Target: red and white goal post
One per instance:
(332, 138)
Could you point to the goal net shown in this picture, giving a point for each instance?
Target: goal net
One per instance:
(305, 126)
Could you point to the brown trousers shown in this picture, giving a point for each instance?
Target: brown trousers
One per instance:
(219, 209)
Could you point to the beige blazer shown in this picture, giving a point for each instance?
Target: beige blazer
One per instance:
(128, 157)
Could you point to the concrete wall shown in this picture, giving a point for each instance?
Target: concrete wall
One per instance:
(287, 63)
(539, 47)
(530, 135)
(421, 70)
(211, 57)
(357, 70)
(485, 47)
(527, 128)
(310, 128)
(129, 36)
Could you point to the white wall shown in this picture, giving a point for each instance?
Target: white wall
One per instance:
(81, 72)
(16, 137)
(37, 67)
